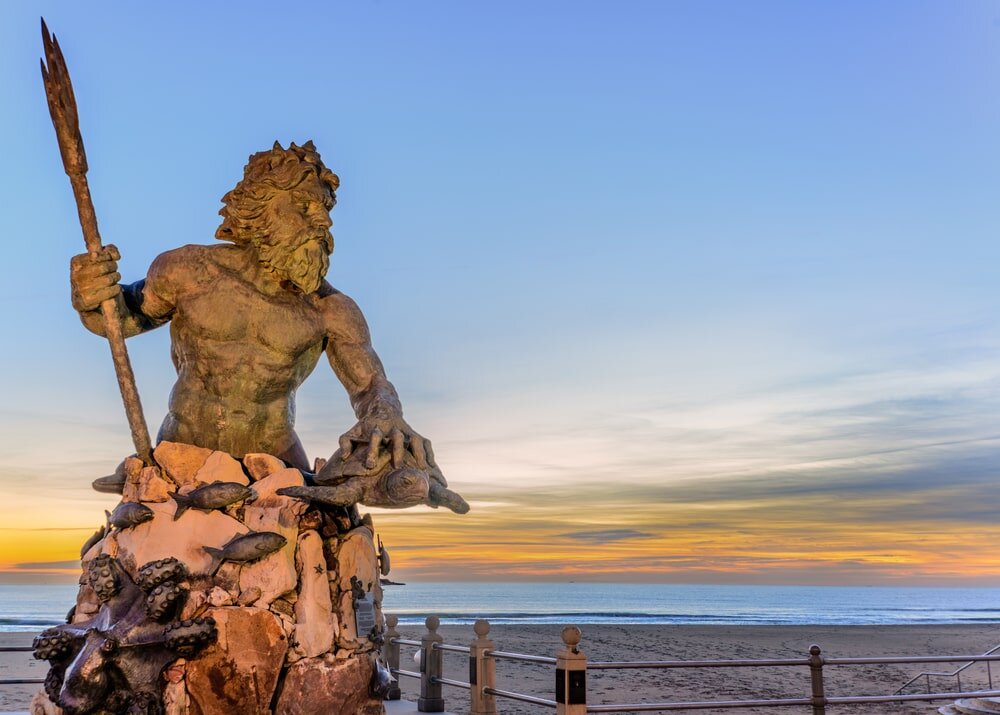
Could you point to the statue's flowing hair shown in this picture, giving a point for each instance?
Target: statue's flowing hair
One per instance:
(266, 173)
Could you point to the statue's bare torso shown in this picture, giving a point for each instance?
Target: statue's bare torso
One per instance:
(242, 343)
(249, 319)
(240, 353)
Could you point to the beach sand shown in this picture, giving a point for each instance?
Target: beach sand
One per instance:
(635, 642)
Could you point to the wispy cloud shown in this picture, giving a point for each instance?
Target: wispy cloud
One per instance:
(606, 535)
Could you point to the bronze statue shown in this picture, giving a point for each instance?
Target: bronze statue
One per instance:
(250, 319)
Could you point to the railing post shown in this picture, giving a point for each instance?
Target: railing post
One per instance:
(390, 654)
(431, 665)
(482, 671)
(571, 675)
(816, 675)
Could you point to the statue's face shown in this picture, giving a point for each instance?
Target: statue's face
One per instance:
(299, 243)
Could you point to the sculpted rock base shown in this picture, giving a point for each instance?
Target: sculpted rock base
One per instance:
(286, 638)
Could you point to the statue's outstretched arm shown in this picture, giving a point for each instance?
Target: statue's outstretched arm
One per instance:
(376, 404)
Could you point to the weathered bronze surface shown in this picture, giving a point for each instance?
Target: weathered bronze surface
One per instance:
(251, 318)
(112, 662)
(246, 549)
(211, 496)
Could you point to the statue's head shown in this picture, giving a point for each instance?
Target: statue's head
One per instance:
(281, 207)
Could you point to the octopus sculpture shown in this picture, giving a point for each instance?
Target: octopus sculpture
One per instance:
(111, 663)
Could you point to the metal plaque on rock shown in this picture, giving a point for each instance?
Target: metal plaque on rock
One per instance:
(364, 615)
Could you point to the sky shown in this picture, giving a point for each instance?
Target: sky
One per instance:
(700, 292)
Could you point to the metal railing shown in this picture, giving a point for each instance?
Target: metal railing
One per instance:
(571, 668)
(19, 681)
(957, 674)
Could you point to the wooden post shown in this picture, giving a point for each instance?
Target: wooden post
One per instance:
(482, 672)
(390, 653)
(571, 675)
(816, 676)
(431, 666)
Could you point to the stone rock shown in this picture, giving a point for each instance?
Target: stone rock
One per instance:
(174, 673)
(92, 553)
(41, 705)
(312, 519)
(239, 672)
(180, 461)
(357, 557)
(262, 465)
(329, 686)
(219, 596)
(147, 486)
(348, 631)
(87, 604)
(162, 537)
(275, 574)
(228, 577)
(194, 604)
(220, 467)
(315, 629)
(280, 605)
(175, 699)
(248, 597)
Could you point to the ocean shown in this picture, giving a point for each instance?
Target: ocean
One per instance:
(32, 608)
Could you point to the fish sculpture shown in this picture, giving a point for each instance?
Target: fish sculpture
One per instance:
(129, 514)
(113, 483)
(245, 549)
(94, 538)
(384, 563)
(212, 496)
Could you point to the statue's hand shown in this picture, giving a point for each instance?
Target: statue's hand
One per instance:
(391, 432)
(94, 279)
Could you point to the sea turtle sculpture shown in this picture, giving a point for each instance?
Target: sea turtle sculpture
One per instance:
(389, 479)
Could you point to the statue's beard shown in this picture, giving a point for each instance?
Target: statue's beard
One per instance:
(304, 265)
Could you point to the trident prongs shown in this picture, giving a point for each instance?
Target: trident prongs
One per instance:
(62, 105)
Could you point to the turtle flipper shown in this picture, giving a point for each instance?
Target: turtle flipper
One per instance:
(442, 496)
(344, 494)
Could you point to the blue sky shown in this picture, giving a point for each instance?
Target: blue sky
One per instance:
(617, 258)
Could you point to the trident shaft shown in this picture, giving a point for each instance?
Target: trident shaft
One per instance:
(62, 107)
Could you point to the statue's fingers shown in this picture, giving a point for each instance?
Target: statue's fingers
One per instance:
(371, 461)
(435, 470)
(90, 271)
(105, 293)
(111, 251)
(398, 441)
(419, 453)
(346, 446)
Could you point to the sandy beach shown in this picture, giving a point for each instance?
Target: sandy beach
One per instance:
(633, 642)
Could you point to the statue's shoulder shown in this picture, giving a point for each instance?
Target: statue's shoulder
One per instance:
(341, 314)
(192, 260)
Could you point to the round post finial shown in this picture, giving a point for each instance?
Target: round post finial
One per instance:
(432, 623)
(391, 620)
(814, 649)
(571, 636)
(481, 627)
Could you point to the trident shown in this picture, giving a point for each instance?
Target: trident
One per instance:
(62, 107)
